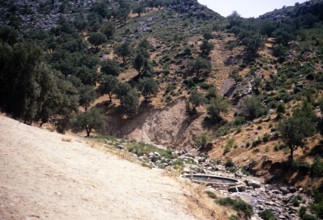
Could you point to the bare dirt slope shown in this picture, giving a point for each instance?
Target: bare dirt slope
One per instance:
(43, 176)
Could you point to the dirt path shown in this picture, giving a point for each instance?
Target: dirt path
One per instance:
(44, 177)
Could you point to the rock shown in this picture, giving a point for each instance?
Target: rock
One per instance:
(186, 170)
(284, 190)
(292, 189)
(120, 146)
(260, 207)
(240, 188)
(288, 197)
(281, 217)
(254, 184)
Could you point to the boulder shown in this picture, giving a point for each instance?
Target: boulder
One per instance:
(239, 188)
(253, 183)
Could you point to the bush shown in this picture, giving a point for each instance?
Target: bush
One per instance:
(267, 215)
(239, 205)
(211, 195)
(295, 202)
(252, 108)
(302, 212)
(309, 217)
(317, 167)
(229, 163)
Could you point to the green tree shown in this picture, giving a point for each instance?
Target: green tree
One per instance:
(142, 63)
(296, 128)
(87, 95)
(123, 50)
(108, 85)
(110, 67)
(267, 215)
(199, 66)
(196, 99)
(97, 39)
(108, 29)
(148, 87)
(19, 81)
(129, 98)
(144, 44)
(130, 102)
(217, 105)
(8, 35)
(252, 108)
(206, 47)
(89, 121)
(139, 9)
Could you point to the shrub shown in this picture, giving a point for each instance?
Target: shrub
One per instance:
(309, 217)
(295, 202)
(252, 108)
(266, 137)
(229, 163)
(256, 142)
(211, 194)
(239, 205)
(317, 167)
(267, 215)
(302, 211)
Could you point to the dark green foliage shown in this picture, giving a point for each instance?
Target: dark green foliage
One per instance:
(211, 194)
(148, 87)
(320, 123)
(139, 9)
(8, 35)
(196, 98)
(280, 108)
(123, 50)
(295, 202)
(87, 95)
(144, 45)
(267, 215)
(142, 63)
(89, 120)
(309, 217)
(199, 66)
(252, 108)
(217, 105)
(302, 212)
(108, 85)
(130, 102)
(97, 39)
(317, 206)
(108, 29)
(239, 205)
(296, 128)
(317, 166)
(110, 67)
(229, 163)
(206, 47)
(208, 36)
(129, 98)
(20, 83)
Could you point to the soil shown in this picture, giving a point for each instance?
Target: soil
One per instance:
(45, 175)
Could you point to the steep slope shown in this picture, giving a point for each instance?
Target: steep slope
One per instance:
(45, 175)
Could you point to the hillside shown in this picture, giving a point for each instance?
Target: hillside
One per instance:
(45, 175)
(245, 94)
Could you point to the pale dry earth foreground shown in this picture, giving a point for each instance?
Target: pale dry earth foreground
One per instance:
(43, 176)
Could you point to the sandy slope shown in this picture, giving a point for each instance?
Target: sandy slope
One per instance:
(44, 177)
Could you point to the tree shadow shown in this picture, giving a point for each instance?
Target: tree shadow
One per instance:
(317, 150)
